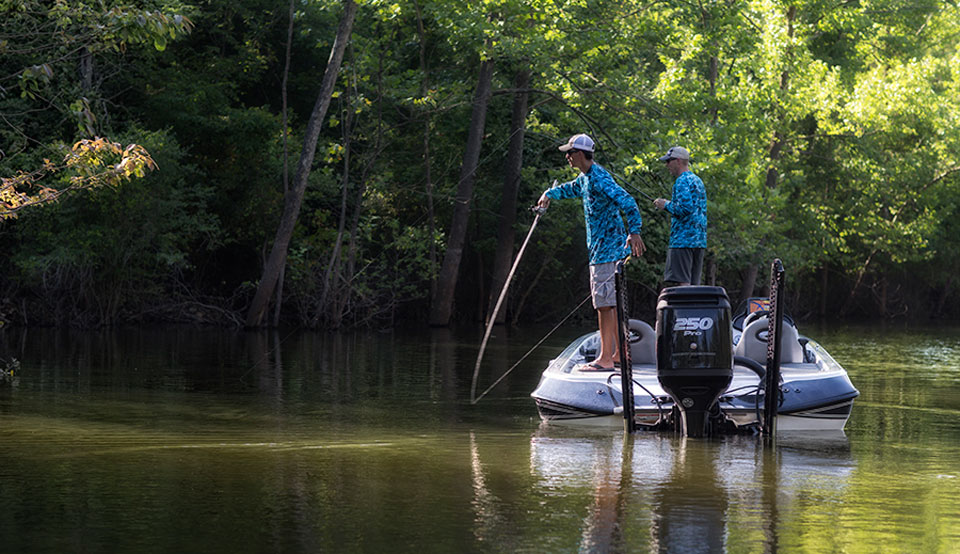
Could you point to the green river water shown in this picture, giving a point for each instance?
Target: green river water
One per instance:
(191, 440)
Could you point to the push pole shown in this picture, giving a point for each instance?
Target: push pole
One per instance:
(623, 334)
(771, 383)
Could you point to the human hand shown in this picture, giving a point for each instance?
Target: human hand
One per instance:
(637, 248)
(544, 201)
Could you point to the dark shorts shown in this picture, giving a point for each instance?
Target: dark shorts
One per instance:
(684, 265)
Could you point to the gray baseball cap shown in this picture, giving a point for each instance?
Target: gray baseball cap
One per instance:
(675, 152)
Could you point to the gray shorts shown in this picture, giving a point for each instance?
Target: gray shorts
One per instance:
(602, 287)
(684, 265)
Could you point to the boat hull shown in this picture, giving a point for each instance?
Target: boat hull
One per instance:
(824, 418)
(817, 394)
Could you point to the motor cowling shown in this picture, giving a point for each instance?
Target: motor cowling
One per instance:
(694, 351)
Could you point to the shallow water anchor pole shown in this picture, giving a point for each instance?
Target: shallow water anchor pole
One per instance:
(771, 385)
(623, 338)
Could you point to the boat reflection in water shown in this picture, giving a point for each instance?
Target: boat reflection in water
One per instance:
(674, 494)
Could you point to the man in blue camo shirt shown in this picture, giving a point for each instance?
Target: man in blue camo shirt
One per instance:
(607, 240)
(688, 225)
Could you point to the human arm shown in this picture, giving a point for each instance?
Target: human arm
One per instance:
(625, 203)
(566, 190)
(682, 203)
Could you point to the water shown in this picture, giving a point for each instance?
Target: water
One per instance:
(186, 440)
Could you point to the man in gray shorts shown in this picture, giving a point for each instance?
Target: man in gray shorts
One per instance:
(607, 239)
(688, 224)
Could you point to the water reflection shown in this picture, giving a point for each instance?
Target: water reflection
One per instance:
(212, 441)
(690, 504)
(677, 495)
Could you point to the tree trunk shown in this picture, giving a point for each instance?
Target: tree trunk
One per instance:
(86, 70)
(528, 291)
(353, 246)
(442, 305)
(428, 185)
(848, 305)
(332, 275)
(711, 271)
(749, 282)
(294, 198)
(278, 297)
(883, 297)
(779, 139)
(283, 100)
(508, 201)
(823, 291)
(944, 294)
(712, 67)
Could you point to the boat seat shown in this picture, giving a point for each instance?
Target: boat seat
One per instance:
(643, 343)
(753, 343)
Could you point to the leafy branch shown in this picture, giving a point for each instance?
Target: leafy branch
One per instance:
(90, 163)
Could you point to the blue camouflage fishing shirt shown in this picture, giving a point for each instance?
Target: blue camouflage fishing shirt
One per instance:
(603, 200)
(688, 206)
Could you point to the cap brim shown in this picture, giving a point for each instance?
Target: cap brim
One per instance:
(565, 147)
(666, 158)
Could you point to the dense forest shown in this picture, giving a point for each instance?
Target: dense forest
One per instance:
(326, 163)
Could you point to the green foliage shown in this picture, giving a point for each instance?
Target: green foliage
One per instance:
(106, 253)
(41, 42)
(826, 134)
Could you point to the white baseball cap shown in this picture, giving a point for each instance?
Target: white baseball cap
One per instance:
(675, 152)
(580, 142)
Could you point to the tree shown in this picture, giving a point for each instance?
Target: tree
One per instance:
(825, 132)
(294, 197)
(511, 185)
(442, 304)
(40, 45)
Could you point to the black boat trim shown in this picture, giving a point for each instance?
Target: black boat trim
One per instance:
(554, 410)
(830, 411)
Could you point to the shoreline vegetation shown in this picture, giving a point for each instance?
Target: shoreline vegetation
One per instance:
(365, 163)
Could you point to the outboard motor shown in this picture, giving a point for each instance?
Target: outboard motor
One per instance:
(694, 351)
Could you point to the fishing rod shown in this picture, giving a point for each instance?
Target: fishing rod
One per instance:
(503, 293)
(619, 177)
(623, 180)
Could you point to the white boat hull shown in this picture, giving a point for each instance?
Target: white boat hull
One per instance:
(817, 394)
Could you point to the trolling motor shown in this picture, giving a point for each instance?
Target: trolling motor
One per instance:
(694, 351)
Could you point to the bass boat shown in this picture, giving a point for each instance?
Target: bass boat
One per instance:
(815, 392)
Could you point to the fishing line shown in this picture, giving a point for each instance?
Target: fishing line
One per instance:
(631, 185)
(507, 372)
(545, 337)
(265, 357)
(622, 179)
